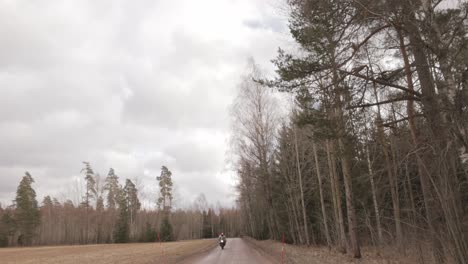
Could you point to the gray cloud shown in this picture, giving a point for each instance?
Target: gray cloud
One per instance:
(131, 86)
(192, 156)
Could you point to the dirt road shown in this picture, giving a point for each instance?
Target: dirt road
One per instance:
(237, 251)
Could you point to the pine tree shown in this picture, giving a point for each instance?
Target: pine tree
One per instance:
(165, 187)
(90, 185)
(129, 204)
(131, 196)
(47, 201)
(165, 202)
(133, 203)
(27, 211)
(91, 194)
(112, 188)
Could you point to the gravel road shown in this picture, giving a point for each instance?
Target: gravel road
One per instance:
(237, 251)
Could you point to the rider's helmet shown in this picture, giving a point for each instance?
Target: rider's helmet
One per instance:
(222, 234)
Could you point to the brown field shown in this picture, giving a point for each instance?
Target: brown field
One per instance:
(109, 253)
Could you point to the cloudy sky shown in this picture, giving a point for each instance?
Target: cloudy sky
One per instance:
(132, 85)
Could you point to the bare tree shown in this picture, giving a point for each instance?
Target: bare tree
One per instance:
(255, 122)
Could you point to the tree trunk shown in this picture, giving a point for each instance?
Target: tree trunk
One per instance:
(374, 197)
(304, 215)
(339, 118)
(424, 176)
(352, 224)
(336, 195)
(291, 225)
(322, 202)
(298, 227)
(293, 202)
(392, 180)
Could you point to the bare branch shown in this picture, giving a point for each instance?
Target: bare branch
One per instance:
(403, 98)
(390, 124)
(380, 81)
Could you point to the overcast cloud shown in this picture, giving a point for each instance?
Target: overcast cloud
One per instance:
(132, 85)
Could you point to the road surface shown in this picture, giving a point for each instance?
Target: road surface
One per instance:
(237, 251)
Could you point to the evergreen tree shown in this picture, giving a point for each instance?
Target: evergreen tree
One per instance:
(149, 234)
(47, 202)
(165, 187)
(166, 230)
(112, 188)
(122, 228)
(27, 211)
(91, 193)
(128, 204)
(165, 203)
(90, 185)
(131, 196)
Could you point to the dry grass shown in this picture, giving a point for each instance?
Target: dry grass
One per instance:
(107, 254)
(321, 255)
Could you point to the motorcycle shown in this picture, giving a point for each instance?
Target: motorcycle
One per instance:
(222, 243)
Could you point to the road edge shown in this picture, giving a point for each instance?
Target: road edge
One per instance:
(198, 253)
(260, 250)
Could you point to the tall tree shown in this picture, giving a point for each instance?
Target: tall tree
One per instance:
(90, 194)
(165, 190)
(301, 188)
(133, 203)
(320, 27)
(255, 121)
(165, 203)
(27, 213)
(90, 188)
(131, 196)
(112, 188)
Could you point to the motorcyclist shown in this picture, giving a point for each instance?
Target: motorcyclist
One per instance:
(222, 237)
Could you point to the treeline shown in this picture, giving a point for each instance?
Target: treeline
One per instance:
(375, 150)
(110, 213)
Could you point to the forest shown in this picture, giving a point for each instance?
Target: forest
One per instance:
(374, 150)
(110, 213)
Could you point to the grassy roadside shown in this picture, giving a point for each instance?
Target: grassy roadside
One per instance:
(322, 255)
(196, 247)
(139, 253)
